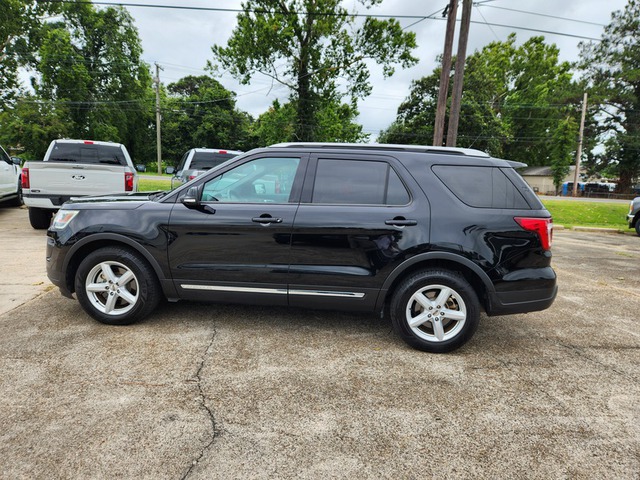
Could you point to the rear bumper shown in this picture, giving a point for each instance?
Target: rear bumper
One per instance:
(50, 202)
(55, 270)
(527, 290)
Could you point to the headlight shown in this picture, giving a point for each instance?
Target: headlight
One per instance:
(62, 218)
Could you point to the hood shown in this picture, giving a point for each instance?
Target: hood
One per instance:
(114, 200)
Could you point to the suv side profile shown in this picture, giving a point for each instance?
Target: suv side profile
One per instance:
(633, 217)
(433, 236)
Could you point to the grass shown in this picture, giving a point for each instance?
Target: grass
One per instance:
(564, 212)
(150, 185)
(588, 214)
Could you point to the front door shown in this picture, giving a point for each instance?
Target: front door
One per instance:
(235, 247)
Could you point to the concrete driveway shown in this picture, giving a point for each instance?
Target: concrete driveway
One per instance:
(204, 391)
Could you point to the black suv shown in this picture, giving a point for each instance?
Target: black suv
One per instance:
(431, 235)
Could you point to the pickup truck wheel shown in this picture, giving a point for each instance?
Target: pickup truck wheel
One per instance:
(17, 201)
(638, 227)
(116, 286)
(435, 311)
(40, 218)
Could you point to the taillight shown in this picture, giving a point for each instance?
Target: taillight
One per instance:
(128, 181)
(25, 178)
(542, 226)
(191, 177)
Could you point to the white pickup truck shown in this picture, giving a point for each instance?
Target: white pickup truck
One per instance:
(10, 187)
(75, 168)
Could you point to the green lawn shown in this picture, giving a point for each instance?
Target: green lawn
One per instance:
(587, 214)
(150, 185)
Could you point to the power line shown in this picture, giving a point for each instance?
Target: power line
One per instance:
(566, 19)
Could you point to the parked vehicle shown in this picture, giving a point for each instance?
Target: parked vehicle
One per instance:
(10, 182)
(633, 217)
(197, 161)
(75, 168)
(431, 235)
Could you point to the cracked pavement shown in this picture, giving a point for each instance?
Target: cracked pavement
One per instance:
(204, 391)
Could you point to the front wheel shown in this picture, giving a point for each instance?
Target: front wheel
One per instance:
(435, 310)
(638, 227)
(116, 286)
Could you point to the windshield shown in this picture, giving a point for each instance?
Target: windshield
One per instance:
(87, 153)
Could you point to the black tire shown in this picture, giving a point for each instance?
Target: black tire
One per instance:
(17, 201)
(638, 227)
(116, 286)
(444, 306)
(40, 218)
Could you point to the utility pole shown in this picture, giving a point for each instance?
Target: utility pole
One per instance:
(156, 81)
(458, 78)
(438, 129)
(579, 150)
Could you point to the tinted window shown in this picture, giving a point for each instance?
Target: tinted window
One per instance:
(354, 182)
(88, 153)
(264, 180)
(483, 187)
(4, 156)
(207, 160)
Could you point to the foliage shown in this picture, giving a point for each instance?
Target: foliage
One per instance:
(335, 122)
(514, 100)
(20, 23)
(612, 67)
(313, 47)
(200, 112)
(561, 149)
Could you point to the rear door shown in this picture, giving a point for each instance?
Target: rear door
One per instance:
(356, 221)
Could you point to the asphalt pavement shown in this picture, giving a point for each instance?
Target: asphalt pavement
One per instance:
(212, 391)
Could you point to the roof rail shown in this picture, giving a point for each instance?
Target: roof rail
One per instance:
(385, 146)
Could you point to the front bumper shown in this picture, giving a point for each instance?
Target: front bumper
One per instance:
(630, 220)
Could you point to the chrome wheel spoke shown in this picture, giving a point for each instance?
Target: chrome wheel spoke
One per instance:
(443, 296)
(456, 315)
(107, 271)
(127, 296)
(419, 320)
(438, 330)
(97, 287)
(110, 304)
(125, 278)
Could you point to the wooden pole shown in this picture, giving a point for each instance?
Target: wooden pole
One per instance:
(443, 91)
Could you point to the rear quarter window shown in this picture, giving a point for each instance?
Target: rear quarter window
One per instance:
(481, 187)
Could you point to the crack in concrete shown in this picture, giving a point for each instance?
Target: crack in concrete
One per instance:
(215, 431)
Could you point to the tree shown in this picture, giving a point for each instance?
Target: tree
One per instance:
(334, 122)
(200, 112)
(514, 99)
(612, 67)
(312, 47)
(89, 62)
(20, 22)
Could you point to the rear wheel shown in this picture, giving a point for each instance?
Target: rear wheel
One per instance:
(435, 311)
(116, 286)
(638, 227)
(40, 218)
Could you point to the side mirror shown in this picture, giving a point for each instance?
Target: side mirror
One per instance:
(191, 199)
(16, 160)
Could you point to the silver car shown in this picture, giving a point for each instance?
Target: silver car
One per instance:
(198, 160)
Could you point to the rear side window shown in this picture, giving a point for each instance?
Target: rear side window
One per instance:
(87, 153)
(482, 187)
(207, 160)
(356, 182)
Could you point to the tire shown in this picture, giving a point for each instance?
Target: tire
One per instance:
(638, 227)
(40, 218)
(17, 201)
(116, 286)
(454, 316)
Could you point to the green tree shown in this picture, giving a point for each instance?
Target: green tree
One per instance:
(612, 67)
(311, 47)
(334, 122)
(20, 23)
(90, 63)
(199, 112)
(562, 149)
(514, 98)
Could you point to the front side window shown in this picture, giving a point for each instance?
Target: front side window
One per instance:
(358, 182)
(264, 180)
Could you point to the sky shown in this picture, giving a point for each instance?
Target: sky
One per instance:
(180, 42)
